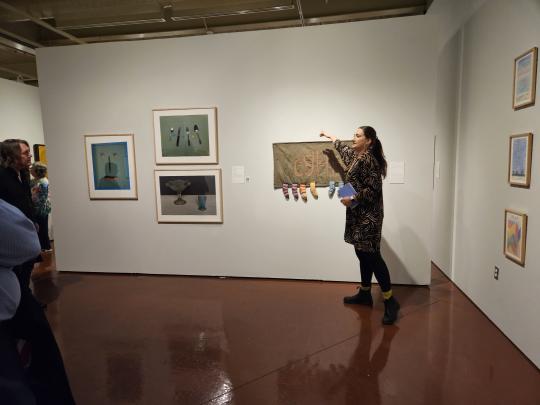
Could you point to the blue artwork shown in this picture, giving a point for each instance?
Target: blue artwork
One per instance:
(111, 166)
(519, 157)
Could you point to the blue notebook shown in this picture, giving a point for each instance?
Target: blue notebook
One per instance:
(347, 191)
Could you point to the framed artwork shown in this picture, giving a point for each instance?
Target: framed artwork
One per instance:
(186, 136)
(525, 79)
(40, 153)
(191, 196)
(110, 165)
(519, 160)
(515, 236)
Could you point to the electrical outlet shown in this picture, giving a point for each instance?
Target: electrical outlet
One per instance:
(496, 273)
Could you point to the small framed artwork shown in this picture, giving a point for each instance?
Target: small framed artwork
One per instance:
(519, 161)
(524, 93)
(190, 196)
(110, 165)
(186, 136)
(40, 153)
(515, 236)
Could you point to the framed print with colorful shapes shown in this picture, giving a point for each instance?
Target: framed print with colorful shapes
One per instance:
(524, 93)
(110, 167)
(189, 196)
(186, 136)
(515, 236)
(519, 160)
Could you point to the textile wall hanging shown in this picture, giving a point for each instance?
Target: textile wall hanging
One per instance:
(306, 162)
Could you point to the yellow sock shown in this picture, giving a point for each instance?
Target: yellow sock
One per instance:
(387, 294)
(313, 189)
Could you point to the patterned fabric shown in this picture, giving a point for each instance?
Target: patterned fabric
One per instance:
(303, 192)
(313, 189)
(363, 224)
(295, 191)
(40, 197)
(285, 189)
(331, 188)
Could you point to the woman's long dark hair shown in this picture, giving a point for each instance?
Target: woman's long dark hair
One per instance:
(376, 148)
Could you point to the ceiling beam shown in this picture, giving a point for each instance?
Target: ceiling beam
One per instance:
(300, 12)
(22, 39)
(233, 13)
(368, 15)
(17, 46)
(21, 75)
(9, 7)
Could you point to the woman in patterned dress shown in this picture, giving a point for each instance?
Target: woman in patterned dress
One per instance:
(366, 167)
(42, 204)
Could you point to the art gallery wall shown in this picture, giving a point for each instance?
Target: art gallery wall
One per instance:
(269, 86)
(491, 39)
(20, 112)
(450, 16)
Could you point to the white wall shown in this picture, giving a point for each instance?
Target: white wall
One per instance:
(20, 112)
(269, 86)
(451, 15)
(447, 95)
(496, 33)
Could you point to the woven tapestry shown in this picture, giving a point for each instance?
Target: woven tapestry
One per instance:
(304, 162)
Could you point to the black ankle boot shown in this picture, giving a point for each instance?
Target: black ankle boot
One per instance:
(363, 297)
(391, 309)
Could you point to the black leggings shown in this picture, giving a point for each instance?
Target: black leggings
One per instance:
(373, 263)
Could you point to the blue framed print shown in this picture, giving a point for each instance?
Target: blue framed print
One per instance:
(110, 162)
(519, 161)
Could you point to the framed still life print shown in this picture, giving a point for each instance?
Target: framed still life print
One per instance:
(191, 196)
(515, 236)
(525, 79)
(110, 166)
(186, 136)
(519, 160)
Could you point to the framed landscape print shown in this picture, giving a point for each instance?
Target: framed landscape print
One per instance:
(186, 136)
(519, 160)
(110, 165)
(525, 79)
(515, 236)
(190, 196)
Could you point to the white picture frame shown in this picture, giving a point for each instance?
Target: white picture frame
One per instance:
(185, 136)
(189, 196)
(110, 166)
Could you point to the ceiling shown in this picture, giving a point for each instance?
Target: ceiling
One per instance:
(29, 24)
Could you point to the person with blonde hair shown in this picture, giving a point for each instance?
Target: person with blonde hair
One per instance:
(42, 203)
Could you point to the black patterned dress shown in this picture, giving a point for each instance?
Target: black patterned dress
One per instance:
(363, 224)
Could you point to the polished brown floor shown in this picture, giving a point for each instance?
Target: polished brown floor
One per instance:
(162, 340)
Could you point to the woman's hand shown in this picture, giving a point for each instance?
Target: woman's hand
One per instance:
(346, 201)
(325, 135)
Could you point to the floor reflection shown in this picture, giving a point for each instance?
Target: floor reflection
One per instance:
(308, 380)
(145, 340)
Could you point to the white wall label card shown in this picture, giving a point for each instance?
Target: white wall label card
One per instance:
(396, 172)
(238, 175)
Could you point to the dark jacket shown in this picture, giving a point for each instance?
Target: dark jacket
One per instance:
(363, 224)
(17, 192)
